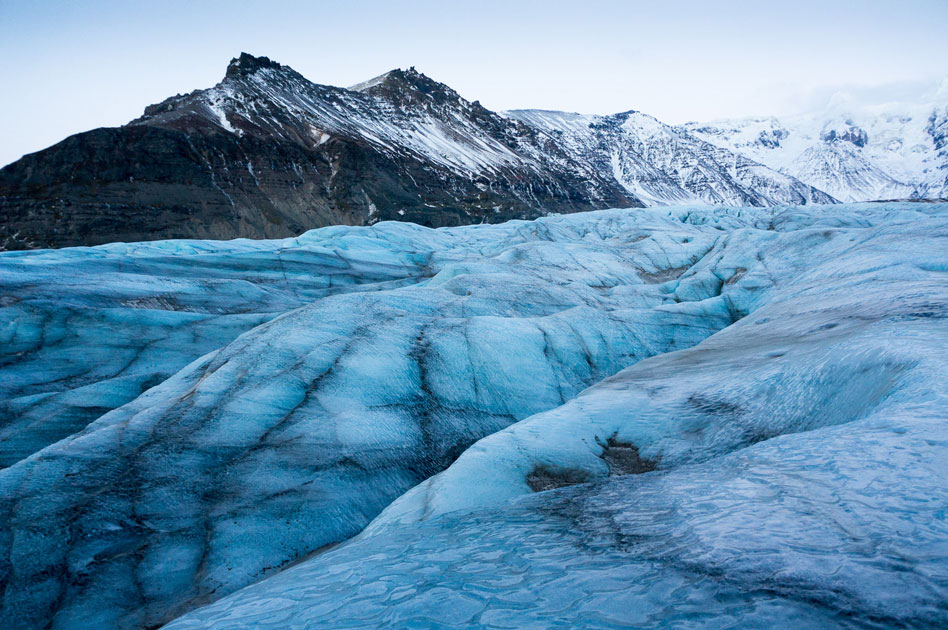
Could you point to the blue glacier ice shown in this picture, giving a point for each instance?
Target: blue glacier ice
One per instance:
(673, 417)
(294, 434)
(86, 330)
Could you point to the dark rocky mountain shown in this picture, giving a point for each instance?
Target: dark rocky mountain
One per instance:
(266, 153)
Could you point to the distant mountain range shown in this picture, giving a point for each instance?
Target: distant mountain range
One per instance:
(267, 153)
(855, 154)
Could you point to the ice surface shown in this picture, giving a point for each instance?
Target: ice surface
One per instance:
(86, 330)
(790, 468)
(295, 434)
(831, 341)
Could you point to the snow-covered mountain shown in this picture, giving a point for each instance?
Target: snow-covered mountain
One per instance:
(403, 115)
(267, 153)
(662, 165)
(895, 151)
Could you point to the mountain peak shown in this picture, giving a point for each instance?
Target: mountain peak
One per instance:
(248, 64)
(394, 76)
(405, 84)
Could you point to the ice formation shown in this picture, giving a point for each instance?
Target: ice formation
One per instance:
(780, 457)
(788, 470)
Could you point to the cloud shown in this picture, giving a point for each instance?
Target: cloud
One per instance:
(848, 96)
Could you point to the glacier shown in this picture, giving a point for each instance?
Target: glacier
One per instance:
(787, 470)
(324, 414)
(661, 416)
(86, 330)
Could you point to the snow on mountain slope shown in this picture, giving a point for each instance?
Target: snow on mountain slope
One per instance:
(399, 113)
(789, 470)
(855, 154)
(266, 153)
(273, 100)
(662, 165)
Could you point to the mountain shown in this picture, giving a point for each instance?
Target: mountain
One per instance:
(266, 153)
(896, 151)
(661, 165)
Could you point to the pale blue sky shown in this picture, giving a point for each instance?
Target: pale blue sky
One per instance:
(69, 66)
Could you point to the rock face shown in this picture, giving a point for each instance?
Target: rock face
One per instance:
(269, 154)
